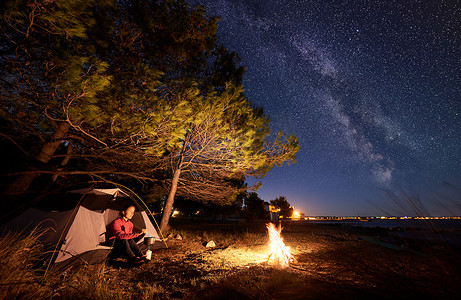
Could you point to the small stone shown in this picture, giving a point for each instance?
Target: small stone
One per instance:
(210, 244)
(178, 237)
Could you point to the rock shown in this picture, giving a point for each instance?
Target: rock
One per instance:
(170, 236)
(178, 237)
(210, 244)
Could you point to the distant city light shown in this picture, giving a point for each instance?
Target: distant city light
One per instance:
(296, 214)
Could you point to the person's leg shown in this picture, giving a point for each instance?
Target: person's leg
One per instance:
(124, 248)
(134, 247)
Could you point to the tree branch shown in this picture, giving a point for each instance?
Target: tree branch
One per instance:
(14, 142)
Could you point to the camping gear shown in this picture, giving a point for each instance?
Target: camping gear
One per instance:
(149, 240)
(77, 223)
(149, 254)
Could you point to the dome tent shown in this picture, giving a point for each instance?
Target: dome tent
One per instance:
(76, 224)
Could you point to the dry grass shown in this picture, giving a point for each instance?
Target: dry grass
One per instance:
(85, 283)
(22, 268)
(331, 263)
(19, 254)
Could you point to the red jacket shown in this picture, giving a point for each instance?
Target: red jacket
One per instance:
(122, 230)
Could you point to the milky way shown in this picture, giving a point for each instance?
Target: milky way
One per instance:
(371, 88)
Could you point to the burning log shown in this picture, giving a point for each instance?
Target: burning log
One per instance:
(278, 252)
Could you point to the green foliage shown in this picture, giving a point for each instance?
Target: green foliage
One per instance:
(47, 71)
(133, 82)
(254, 207)
(217, 137)
(226, 69)
(281, 203)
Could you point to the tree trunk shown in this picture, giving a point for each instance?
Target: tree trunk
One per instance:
(170, 200)
(64, 161)
(22, 183)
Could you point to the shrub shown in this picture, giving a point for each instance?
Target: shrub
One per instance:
(19, 255)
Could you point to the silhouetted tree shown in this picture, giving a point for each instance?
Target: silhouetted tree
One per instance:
(254, 207)
(281, 203)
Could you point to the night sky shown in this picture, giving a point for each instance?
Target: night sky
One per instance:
(370, 88)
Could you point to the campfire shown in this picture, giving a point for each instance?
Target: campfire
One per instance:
(279, 253)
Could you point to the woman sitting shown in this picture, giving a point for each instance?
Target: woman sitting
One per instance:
(123, 237)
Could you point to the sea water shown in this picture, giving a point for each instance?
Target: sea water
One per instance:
(447, 224)
(446, 230)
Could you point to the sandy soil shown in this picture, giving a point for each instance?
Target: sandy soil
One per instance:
(332, 262)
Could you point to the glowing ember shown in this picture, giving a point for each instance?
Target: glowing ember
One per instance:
(279, 252)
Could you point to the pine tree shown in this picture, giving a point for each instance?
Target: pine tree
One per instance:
(125, 89)
(281, 203)
(220, 138)
(47, 76)
(87, 76)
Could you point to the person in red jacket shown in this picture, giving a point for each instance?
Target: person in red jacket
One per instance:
(121, 229)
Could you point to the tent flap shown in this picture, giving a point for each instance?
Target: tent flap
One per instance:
(85, 233)
(77, 234)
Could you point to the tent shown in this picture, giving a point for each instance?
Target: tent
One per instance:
(76, 224)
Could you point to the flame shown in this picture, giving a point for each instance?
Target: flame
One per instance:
(279, 252)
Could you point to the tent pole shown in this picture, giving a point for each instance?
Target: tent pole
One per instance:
(148, 210)
(62, 234)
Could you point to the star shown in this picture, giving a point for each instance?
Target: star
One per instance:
(371, 90)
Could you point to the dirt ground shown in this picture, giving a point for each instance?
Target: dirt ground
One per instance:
(332, 262)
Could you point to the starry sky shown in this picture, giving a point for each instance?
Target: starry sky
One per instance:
(370, 88)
